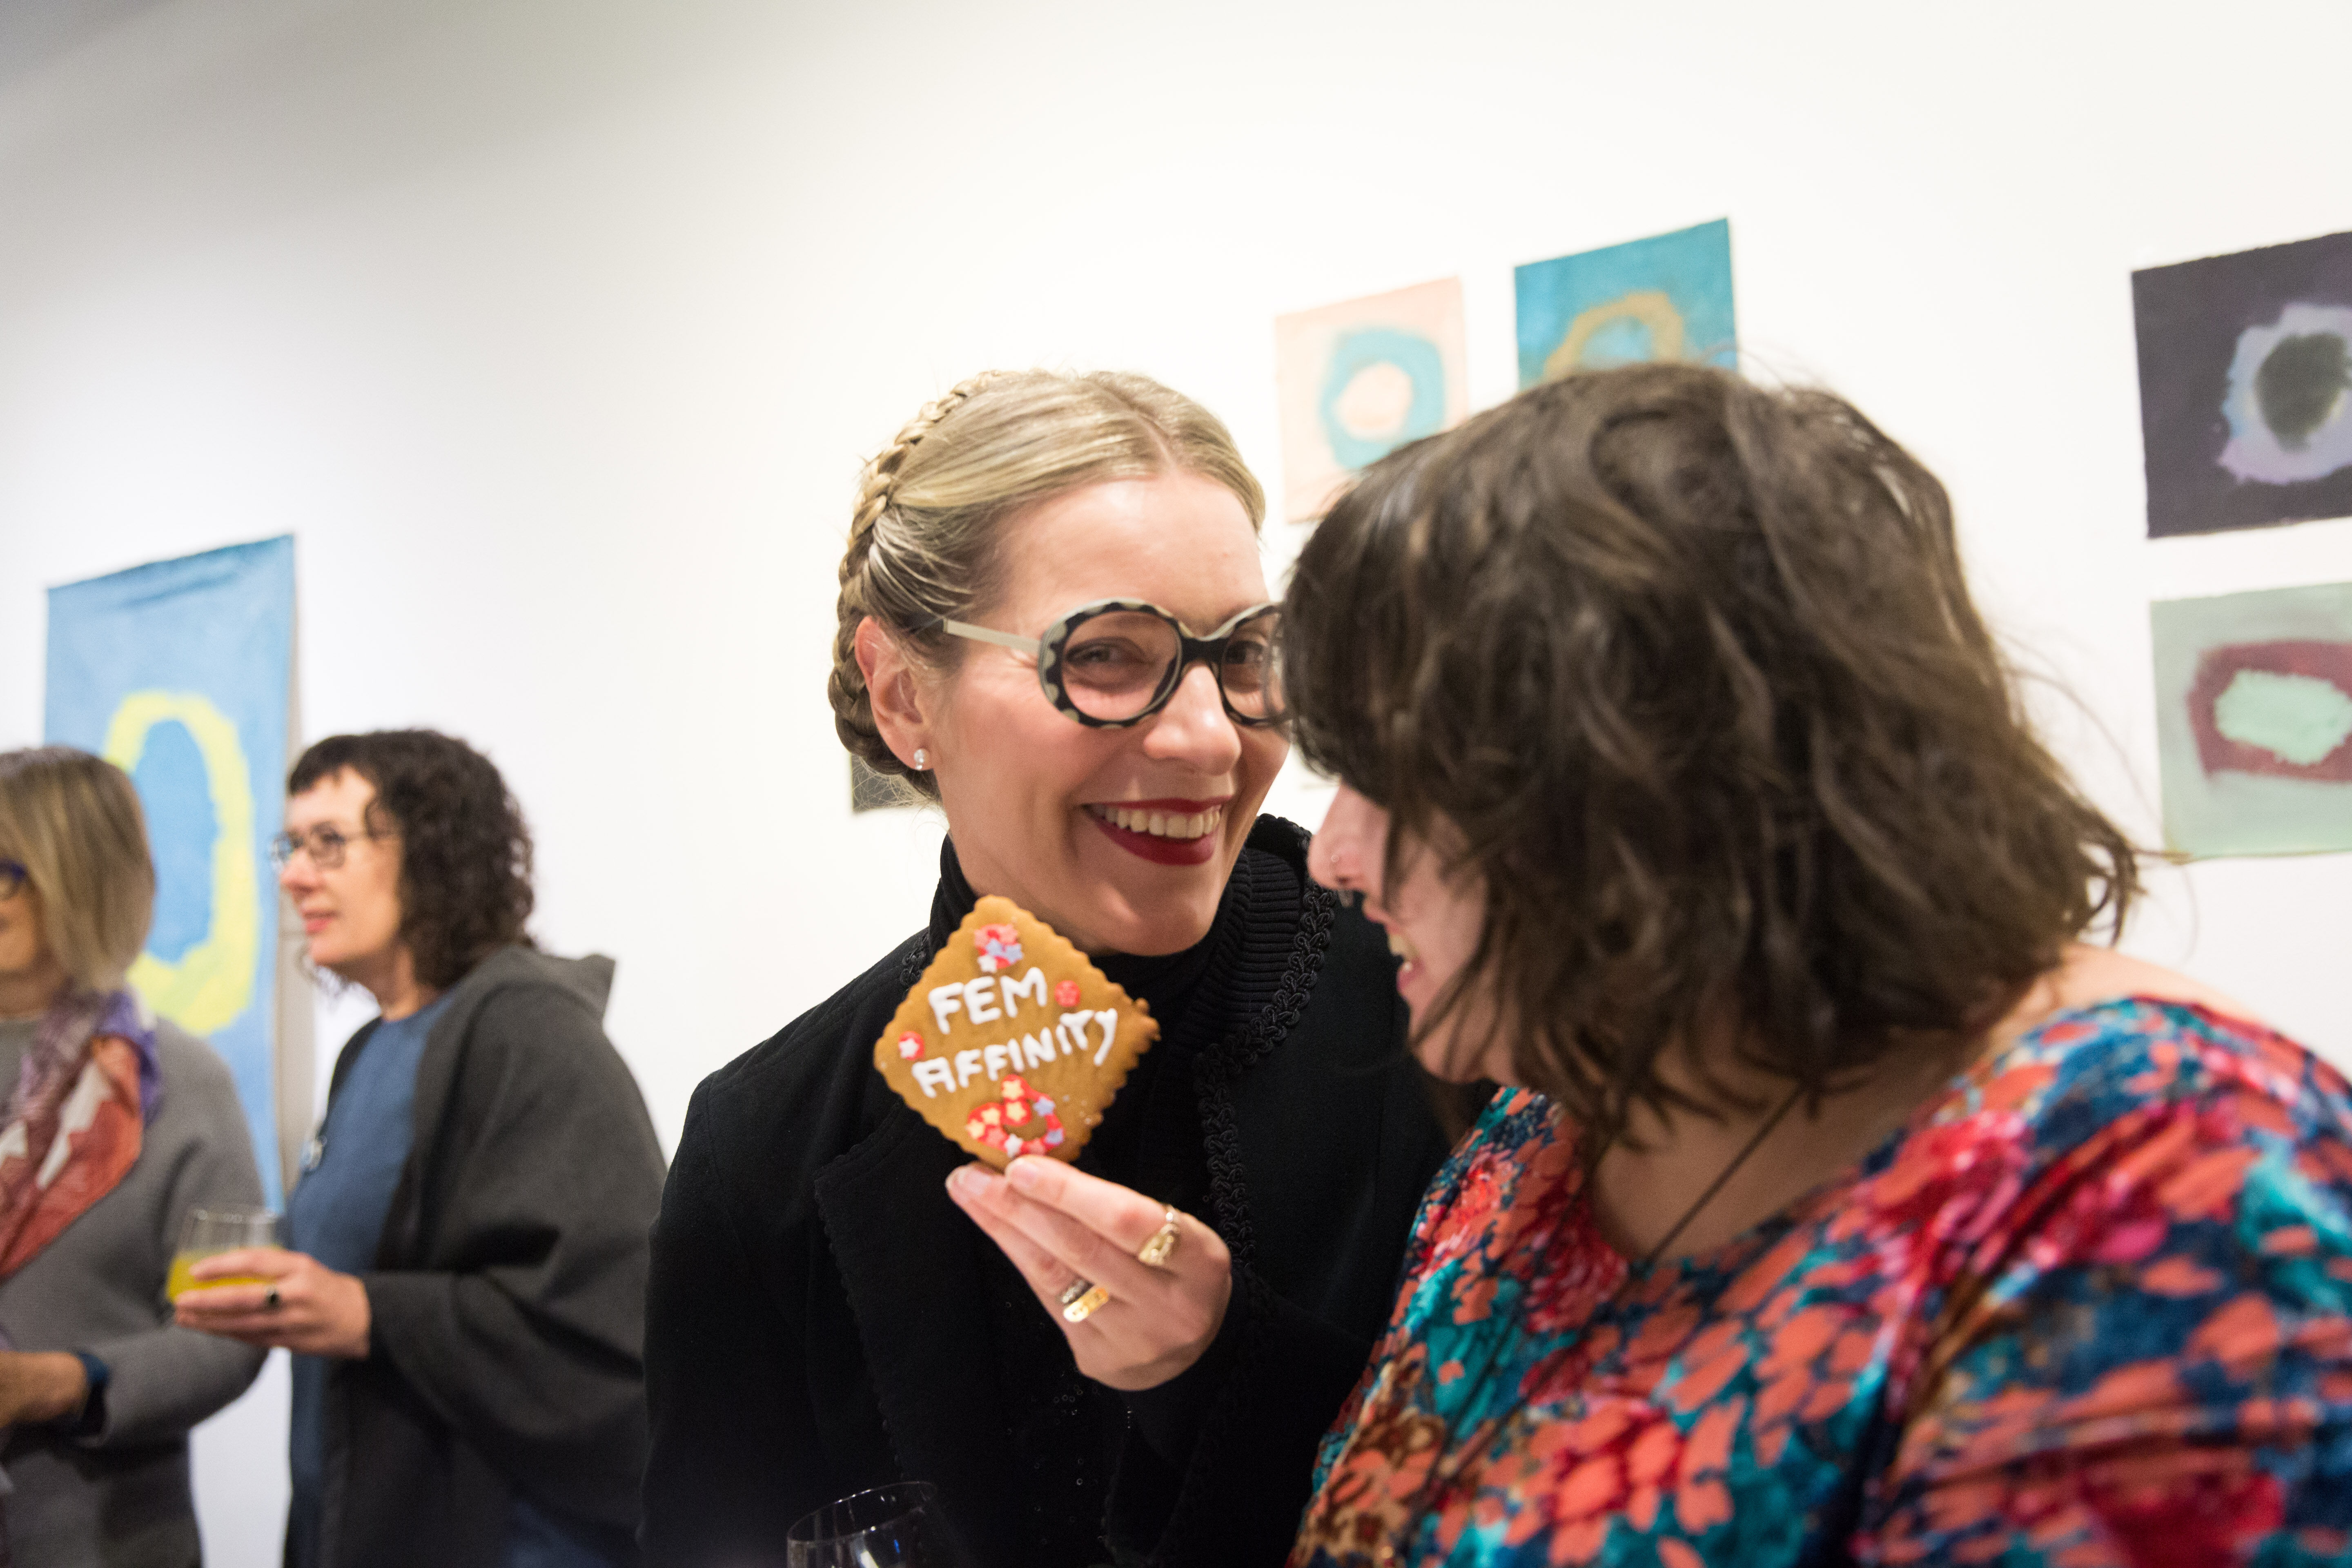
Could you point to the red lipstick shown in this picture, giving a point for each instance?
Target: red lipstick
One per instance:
(1158, 849)
(1163, 851)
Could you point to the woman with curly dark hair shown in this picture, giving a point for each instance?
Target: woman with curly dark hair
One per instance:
(1843, 1205)
(464, 1289)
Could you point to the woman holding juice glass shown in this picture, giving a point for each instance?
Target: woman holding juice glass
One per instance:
(115, 1126)
(463, 1286)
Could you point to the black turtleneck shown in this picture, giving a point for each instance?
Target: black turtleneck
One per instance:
(1065, 1429)
(822, 1319)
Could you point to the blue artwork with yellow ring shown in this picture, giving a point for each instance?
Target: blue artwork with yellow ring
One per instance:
(180, 673)
(1663, 298)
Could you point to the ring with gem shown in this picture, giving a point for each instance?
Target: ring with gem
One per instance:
(1156, 1252)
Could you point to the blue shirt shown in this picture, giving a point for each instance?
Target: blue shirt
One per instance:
(336, 1215)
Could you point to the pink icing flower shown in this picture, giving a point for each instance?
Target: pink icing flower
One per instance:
(1000, 947)
(1066, 994)
(910, 1046)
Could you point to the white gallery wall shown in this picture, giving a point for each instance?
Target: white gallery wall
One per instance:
(556, 332)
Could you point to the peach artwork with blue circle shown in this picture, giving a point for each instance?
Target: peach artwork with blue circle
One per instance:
(1356, 380)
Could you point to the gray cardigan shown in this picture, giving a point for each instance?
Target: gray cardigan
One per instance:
(506, 1308)
(120, 1496)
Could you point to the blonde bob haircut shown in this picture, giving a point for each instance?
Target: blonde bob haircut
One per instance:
(923, 539)
(74, 822)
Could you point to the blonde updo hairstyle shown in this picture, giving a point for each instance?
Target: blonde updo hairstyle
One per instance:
(924, 541)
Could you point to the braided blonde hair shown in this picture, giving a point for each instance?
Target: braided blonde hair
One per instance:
(923, 538)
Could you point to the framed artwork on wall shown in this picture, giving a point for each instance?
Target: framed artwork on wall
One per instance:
(2253, 698)
(2245, 387)
(180, 673)
(1355, 381)
(1664, 298)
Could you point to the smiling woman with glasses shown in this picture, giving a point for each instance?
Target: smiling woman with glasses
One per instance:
(1053, 622)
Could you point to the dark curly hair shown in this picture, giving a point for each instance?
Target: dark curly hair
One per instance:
(465, 851)
(1686, 669)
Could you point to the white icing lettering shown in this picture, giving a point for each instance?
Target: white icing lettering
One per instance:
(979, 1004)
(1072, 1030)
(967, 1067)
(1036, 1052)
(1032, 985)
(946, 999)
(997, 1061)
(1108, 1019)
(936, 1076)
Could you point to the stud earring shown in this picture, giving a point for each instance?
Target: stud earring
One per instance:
(922, 760)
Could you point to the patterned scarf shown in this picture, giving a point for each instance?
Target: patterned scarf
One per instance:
(88, 1087)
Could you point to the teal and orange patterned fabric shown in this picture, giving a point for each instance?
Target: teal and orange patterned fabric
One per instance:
(2091, 1305)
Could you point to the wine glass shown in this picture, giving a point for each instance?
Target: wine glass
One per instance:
(896, 1526)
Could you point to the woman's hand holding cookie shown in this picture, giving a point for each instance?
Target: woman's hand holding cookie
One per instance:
(1061, 1227)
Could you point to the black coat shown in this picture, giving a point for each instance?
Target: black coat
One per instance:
(820, 1320)
(506, 1302)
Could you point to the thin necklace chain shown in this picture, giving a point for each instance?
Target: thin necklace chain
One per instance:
(1729, 1170)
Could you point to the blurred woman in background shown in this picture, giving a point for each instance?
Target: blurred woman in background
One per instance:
(116, 1125)
(464, 1289)
(1847, 1207)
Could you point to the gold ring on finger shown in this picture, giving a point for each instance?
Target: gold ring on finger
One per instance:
(1156, 1252)
(1089, 1301)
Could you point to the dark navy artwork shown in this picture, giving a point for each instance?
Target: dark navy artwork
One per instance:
(2245, 387)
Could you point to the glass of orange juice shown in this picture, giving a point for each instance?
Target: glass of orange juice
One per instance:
(207, 1232)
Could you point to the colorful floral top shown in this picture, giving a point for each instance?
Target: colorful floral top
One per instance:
(2093, 1305)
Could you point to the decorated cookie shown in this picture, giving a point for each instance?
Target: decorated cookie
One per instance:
(1013, 1043)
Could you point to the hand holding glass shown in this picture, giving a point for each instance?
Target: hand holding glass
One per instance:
(208, 1232)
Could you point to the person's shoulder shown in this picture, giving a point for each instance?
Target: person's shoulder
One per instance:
(1518, 1162)
(1358, 951)
(1341, 958)
(199, 1090)
(523, 1005)
(188, 1062)
(1272, 835)
(2150, 1083)
(819, 1057)
(1340, 928)
(517, 972)
(2088, 1065)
